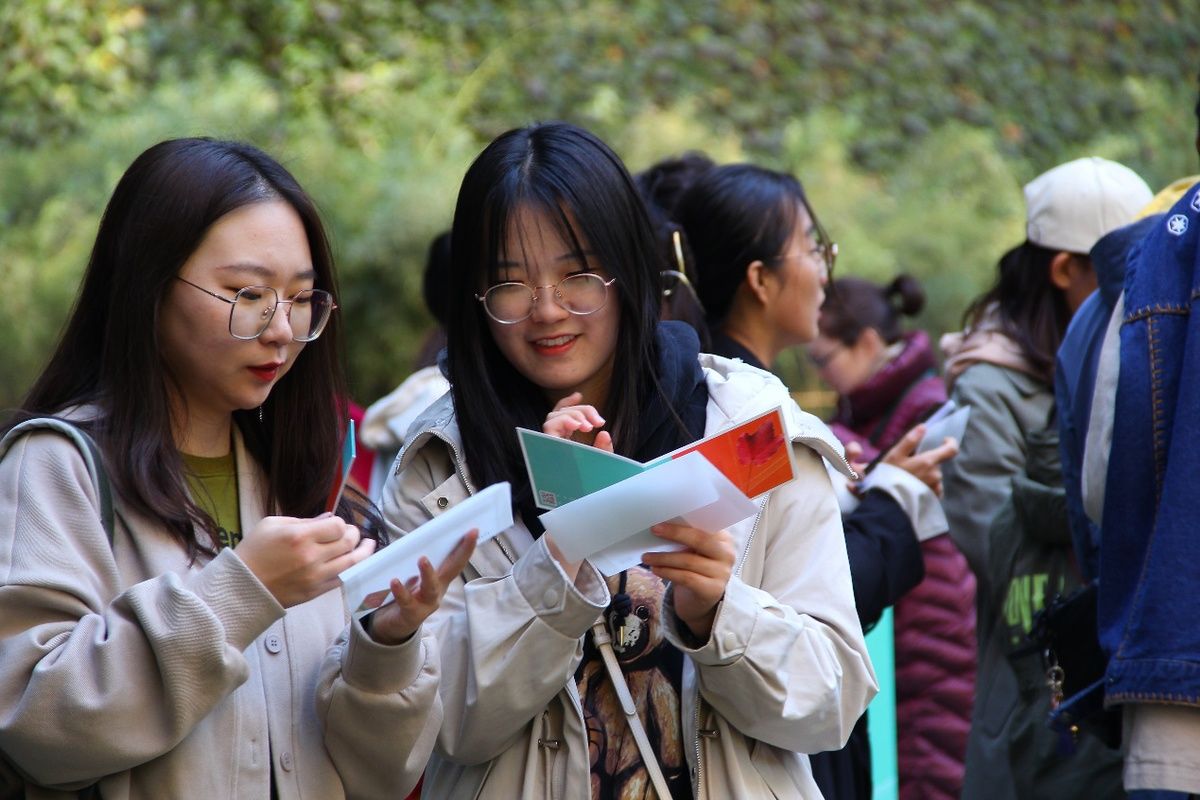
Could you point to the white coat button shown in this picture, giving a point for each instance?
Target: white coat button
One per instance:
(274, 643)
(731, 640)
(285, 761)
(550, 598)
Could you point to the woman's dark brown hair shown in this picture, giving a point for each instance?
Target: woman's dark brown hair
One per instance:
(855, 304)
(109, 356)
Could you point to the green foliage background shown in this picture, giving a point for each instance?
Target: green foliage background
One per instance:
(913, 123)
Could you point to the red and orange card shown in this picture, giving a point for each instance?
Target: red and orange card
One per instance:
(754, 455)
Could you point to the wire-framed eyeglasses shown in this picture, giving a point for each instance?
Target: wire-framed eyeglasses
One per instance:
(512, 302)
(824, 251)
(253, 307)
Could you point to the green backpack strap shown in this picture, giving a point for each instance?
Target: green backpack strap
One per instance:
(87, 448)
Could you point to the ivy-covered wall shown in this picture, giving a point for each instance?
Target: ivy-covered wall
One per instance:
(912, 124)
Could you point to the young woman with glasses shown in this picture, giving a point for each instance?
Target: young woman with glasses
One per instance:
(742, 649)
(762, 261)
(198, 646)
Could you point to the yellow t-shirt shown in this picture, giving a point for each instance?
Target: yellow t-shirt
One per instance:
(213, 484)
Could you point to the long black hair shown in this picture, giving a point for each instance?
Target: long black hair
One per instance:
(1025, 305)
(661, 185)
(575, 180)
(734, 215)
(109, 355)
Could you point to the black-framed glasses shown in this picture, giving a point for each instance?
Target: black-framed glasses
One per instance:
(253, 307)
(511, 302)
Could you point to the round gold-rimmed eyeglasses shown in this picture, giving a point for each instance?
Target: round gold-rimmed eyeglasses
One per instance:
(512, 302)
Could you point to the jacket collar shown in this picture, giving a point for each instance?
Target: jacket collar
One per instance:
(738, 391)
(890, 382)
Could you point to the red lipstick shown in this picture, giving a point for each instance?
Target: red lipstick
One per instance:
(266, 372)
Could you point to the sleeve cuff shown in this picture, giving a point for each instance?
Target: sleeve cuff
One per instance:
(917, 500)
(732, 628)
(378, 668)
(237, 597)
(568, 607)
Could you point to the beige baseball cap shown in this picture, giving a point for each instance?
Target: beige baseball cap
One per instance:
(1071, 206)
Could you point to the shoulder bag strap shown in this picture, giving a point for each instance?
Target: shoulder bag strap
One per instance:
(87, 448)
(603, 640)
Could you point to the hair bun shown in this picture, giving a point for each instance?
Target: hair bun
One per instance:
(906, 295)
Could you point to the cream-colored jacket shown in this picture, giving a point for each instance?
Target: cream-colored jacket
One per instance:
(784, 672)
(164, 679)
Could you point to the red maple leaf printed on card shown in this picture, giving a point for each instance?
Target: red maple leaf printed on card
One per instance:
(758, 447)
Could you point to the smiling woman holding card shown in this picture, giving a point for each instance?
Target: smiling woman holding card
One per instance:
(709, 669)
(170, 620)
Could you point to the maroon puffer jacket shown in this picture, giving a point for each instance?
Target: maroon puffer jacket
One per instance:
(935, 622)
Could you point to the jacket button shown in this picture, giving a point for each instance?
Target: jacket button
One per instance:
(273, 643)
(550, 598)
(285, 761)
(442, 502)
(731, 640)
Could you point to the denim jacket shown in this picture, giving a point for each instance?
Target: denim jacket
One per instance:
(1149, 543)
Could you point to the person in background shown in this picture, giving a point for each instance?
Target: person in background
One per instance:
(1078, 358)
(1003, 493)
(1135, 481)
(386, 420)
(887, 382)
(1075, 379)
(762, 262)
(661, 185)
(741, 650)
(193, 642)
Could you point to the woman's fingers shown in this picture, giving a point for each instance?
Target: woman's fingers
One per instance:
(716, 544)
(572, 399)
(906, 446)
(426, 588)
(348, 559)
(947, 450)
(687, 561)
(584, 418)
(454, 563)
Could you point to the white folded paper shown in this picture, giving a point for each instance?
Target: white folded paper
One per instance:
(610, 527)
(365, 586)
(949, 420)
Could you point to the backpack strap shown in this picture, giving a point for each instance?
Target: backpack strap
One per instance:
(87, 448)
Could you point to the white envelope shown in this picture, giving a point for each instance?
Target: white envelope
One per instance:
(610, 528)
(489, 511)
